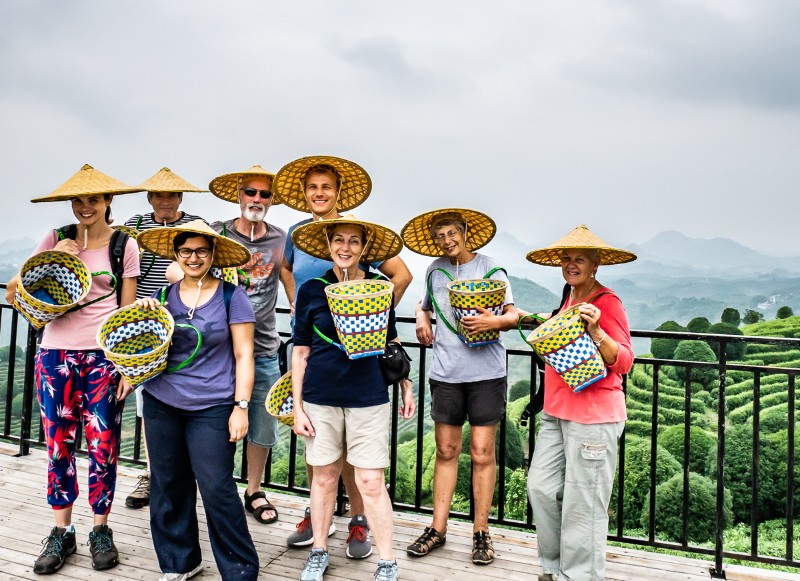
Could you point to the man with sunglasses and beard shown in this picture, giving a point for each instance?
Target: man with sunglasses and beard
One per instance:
(252, 190)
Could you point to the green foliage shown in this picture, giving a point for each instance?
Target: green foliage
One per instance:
(698, 325)
(665, 348)
(731, 316)
(735, 351)
(702, 508)
(784, 312)
(751, 316)
(701, 444)
(516, 494)
(696, 351)
(520, 389)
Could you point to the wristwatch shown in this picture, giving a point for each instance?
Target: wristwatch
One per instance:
(243, 403)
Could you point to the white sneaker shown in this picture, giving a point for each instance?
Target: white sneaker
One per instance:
(181, 576)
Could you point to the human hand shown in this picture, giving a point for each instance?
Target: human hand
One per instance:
(480, 323)
(591, 314)
(148, 303)
(409, 405)
(67, 245)
(424, 331)
(302, 425)
(238, 424)
(124, 389)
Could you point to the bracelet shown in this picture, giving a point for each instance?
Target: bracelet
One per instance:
(601, 340)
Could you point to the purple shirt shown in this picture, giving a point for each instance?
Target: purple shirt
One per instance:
(210, 380)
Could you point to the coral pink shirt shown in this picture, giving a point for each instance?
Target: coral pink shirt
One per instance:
(603, 401)
(77, 330)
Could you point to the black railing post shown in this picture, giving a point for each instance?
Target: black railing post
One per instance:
(12, 368)
(397, 399)
(651, 526)
(718, 572)
(687, 422)
(420, 428)
(755, 492)
(790, 483)
(27, 397)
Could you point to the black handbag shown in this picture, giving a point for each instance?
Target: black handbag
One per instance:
(395, 363)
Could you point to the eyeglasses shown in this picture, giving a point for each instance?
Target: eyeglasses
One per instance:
(200, 252)
(251, 193)
(452, 235)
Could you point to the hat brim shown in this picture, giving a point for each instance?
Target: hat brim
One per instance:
(356, 183)
(417, 235)
(227, 252)
(581, 238)
(226, 187)
(87, 182)
(382, 242)
(165, 180)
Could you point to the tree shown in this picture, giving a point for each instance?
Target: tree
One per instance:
(731, 316)
(665, 348)
(784, 312)
(698, 325)
(751, 316)
(701, 444)
(520, 389)
(696, 351)
(732, 350)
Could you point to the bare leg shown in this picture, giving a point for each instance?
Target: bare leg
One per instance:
(484, 473)
(256, 461)
(64, 517)
(445, 472)
(353, 492)
(323, 499)
(378, 506)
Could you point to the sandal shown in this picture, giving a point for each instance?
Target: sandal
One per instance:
(429, 540)
(260, 510)
(482, 548)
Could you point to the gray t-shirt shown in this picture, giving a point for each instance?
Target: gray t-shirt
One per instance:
(454, 361)
(264, 272)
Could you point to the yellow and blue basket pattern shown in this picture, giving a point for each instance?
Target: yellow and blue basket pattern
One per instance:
(279, 402)
(360, 312)
(51, 283)
(566, 346)
(137, 341)
(466, 296)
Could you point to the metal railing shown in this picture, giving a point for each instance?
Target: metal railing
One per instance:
(23, 428)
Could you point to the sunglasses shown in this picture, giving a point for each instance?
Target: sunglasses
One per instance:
(200, 252)
(251, 193)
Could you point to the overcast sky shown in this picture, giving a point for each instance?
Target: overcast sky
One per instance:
(633, 117)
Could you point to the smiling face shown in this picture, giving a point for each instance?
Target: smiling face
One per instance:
(449, 236)
(347, 244)
(194, 255)
(321, 193)
(255, 198)
(165, 205)
(578, 265)
(90, 210)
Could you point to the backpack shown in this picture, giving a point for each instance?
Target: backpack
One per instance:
(116, 253)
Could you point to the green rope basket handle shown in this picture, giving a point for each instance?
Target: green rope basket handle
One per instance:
(245, 278)
(98, 299)
(322, 335)
(439, 314)
(189, 360)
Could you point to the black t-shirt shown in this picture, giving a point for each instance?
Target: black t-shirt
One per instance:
(331, 378)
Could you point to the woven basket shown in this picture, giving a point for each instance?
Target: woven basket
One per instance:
(566, 346)
(279, 402)
(360, 312)
(137, 341)
(50, 284)
(466, 296)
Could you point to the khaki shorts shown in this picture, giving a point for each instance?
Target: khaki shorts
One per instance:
(365, 431)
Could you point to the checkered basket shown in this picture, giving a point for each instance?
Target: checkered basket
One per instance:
(564, 343)
(50, 284)
(136, 341)
(279, 402)
(466, 296)
(360, 312)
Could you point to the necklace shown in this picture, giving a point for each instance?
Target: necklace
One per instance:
(572, 298)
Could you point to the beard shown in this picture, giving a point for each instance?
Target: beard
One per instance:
(255, 212)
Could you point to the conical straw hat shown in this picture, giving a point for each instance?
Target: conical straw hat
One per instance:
(580, 237)
(226, 186)
(418, 232)
(227, 252)
(165, 180)
(87, 182)
(382, 243)
(355, 182)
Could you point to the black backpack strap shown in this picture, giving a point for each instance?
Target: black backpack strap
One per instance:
(116, 255)
(227, 296)
(68, 232)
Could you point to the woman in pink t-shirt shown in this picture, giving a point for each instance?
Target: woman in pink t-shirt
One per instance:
(572, 470)
(73, 378)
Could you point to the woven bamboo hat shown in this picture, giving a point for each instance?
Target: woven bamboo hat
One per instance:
(382, 243)
(418, 232)
(356, 184)
(580, 237)
(165, 180)
(226, 186)
(227, 252)
(87, 182)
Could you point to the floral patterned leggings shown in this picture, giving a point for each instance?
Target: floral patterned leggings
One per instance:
(74, 385)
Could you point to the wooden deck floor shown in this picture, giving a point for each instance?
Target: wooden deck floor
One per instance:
(25, 519)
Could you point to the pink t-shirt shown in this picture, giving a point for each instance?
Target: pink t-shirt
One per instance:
(603, 401)
(77, 330)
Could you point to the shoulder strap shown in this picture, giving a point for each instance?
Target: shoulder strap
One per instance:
(439, 315)
(139, 219)
(227, 296)
(224, 229)
(68, 232)
(165, 290)
(598, 295)
(116, 256)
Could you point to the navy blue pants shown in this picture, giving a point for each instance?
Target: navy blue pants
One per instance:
(190, 450)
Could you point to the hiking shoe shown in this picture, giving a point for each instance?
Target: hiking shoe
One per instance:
(140, 497)
(101, 545)
(359, 546)
(304, 535)
(181, 576)
(57, 546)
(429, 540)
(386, 571)
(315, 567)
(548, 577)
(482, 548)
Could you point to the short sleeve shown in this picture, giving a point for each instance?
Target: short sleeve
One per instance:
(241, 308)
(131, 262)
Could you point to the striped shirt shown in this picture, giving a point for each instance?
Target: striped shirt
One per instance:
(154, 268)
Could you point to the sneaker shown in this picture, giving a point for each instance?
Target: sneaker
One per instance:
(386, 571)
(429, 540)
(101, 545)
(140, 497)
(57, 546)
(482, 548)
(304, 535)
(548, 577)
(181, 576)
(359, 546)
(315, 567)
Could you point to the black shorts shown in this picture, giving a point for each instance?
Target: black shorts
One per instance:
(482, 402)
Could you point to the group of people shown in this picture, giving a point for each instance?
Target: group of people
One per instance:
(194, 413)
